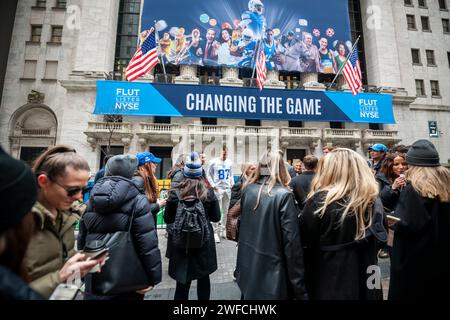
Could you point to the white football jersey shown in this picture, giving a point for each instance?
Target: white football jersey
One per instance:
(220, 173)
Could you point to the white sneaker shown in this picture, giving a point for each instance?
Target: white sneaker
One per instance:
(216, 238)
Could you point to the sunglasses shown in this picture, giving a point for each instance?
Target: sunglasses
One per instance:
(72, 191)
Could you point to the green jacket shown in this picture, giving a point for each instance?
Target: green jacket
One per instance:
(50, 247)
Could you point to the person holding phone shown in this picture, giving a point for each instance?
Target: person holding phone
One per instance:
(391, 180)
(61, 175)
(420, 259)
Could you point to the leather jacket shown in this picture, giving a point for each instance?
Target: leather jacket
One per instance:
(270, 255)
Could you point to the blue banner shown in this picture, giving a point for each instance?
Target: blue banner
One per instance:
(176, 100)
(298, 35)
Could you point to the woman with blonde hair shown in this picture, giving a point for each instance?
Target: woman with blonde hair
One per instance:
(338, 225)
(270, 255)
(420, 259)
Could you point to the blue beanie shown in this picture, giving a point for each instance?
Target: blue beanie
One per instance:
(193, 166)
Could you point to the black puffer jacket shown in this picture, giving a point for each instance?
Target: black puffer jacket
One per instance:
(154, 207)
(270, 254)
(14, 288)
(196, 263)
(110, 207)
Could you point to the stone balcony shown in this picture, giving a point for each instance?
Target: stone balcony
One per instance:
(108, 132)
(296, 137)
(386, 137)
(254, 131)
(342, 136)
(150, 133)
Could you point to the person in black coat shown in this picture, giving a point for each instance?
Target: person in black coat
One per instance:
(391, 179)
(186, 265)
(340, 229)
(301, 185)
(18, 193)
(270, 255)
(145, 180)
(420, 259)
(112, 202)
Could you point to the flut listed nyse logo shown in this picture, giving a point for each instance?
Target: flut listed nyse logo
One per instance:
(368, 109)
(127, 99)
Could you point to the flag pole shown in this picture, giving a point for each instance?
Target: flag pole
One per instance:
(345, 62)
(161, 60)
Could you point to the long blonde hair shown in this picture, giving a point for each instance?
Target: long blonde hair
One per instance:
(244, 168)
(430, 182)
(274, 168)
(345, 176)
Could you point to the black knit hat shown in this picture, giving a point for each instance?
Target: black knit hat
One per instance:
(423, 154)
(18, 190)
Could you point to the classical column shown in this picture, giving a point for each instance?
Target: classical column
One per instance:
(230, 77)
(310, 82)
(273, 80)
(188, 75)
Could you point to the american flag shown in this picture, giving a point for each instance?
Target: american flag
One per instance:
(352, 72)
(145, 58)
(261, 71)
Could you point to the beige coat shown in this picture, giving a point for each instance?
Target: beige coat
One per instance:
(50, 247)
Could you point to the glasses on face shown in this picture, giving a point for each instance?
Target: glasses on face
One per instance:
(71, 191)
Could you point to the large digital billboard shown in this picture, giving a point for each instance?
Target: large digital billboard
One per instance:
(297, 35)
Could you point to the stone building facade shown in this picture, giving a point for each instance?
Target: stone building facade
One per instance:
(59, 50)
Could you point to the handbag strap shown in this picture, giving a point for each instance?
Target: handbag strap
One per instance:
(130, 223)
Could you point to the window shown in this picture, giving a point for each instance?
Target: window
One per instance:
(166, 120)
(446, 25)
(337, 125)
(425, 23)
(127, 35)
(375, 126)
(113, 150)
(41, 3)
(435, 88)
(209, 121)
(252, 123)
(442, 4)
(36, 32)
(51, 70)
(30, 154)
(420, 88)
(29, 70)
(422, 3)
(165, 154)
(415, 56)
(295, 124)
(411, 22)
(61, 4)
(56, 34)
(408, 3)
(430, 58)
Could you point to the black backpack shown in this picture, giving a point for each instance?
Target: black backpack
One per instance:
(190, 229)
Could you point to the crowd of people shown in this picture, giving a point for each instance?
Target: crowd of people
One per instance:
(313, 230)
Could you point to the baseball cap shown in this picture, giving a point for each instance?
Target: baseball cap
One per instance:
(146, 157)
(379, 147)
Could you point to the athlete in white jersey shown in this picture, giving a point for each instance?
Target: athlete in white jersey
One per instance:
(220, 177)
